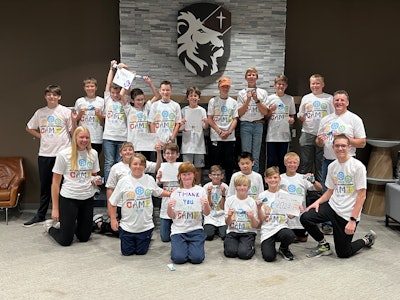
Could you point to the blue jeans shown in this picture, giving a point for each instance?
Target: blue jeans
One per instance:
(165, 230)
(111, 155)
(188, 246)
(251, 137)
(135, 243)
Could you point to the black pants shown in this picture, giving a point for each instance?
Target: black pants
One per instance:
(45, 165)
(240, 245)
(286, 236)
(223, 153)
(76, 217)
(343, 242)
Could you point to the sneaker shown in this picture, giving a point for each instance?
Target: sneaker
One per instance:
(96, 219)
(320, 250)
(370, 238)
(50, 223)
(34, 221)
(326, 229)
(286, 253)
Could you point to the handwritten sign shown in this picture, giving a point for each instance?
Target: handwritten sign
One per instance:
(287, 204)
(123, 78)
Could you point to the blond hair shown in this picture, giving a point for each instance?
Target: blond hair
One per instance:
(242, 180)
(74, 147)
(251, 70)
(291, 155)
(271, 171)
(317, 77)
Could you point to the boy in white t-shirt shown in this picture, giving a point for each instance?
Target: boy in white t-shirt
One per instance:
(115, 128)
(165, 115)
(242, 221)
(194, 121)
(133, 194)
(246, 163)
(170, 183)
(52, 125)
(297, 184)
(278, 133)
(274, 227)
(117, 172)
(214, 223)
(89, 113)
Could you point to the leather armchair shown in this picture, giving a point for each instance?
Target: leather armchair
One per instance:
(12, 179)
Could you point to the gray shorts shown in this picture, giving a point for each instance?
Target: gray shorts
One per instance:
(196, 159)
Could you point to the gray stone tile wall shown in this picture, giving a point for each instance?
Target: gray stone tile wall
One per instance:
(149, 34)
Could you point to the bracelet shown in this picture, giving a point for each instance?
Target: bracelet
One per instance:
(219, 133)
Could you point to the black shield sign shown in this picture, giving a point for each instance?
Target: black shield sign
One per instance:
(204, 38)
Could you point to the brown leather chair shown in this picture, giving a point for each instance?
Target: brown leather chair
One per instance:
(12, 179)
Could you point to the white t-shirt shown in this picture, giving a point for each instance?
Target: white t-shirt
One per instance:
(133, 195)
(314, 108)
(77, 183)
(278, 124)
(275, 221)
(115, 121)
(137, 122)
(217, 215)
(168, 185)
(165, 115)
(240, 221)
(256, 185)
(348, 123)
(296, 185)
(188, 209)
(252, 113)
(224, 111)
(345, 179)
(89, 119)
(193, 135)
(121, 169)
(54, 125)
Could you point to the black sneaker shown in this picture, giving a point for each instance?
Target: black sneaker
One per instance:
(34, 221)
(286, 253)
(370, 238)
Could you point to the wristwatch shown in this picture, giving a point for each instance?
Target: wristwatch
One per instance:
(353, 219)
(257, 101)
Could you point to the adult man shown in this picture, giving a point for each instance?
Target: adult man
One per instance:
(341, 204)
(342, 121)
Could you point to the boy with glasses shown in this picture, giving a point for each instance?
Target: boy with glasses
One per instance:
(214, 223)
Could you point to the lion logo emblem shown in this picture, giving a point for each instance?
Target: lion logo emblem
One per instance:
(204, 38)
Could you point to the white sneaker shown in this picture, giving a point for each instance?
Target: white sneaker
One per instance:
(50, 223)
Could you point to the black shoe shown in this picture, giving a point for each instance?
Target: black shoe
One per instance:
(34, 221)
(286, 253)
(97, 219)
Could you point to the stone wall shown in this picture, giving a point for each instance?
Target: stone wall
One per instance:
(149, 33)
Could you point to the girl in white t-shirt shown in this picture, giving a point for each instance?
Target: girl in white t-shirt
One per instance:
(73, 204)
(186, 207)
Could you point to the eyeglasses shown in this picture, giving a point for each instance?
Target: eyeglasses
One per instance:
(340, 146)
(216, 175)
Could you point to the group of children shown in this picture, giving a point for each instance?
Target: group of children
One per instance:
(189, 214)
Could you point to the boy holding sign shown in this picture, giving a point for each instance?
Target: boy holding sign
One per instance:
(271, 211)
